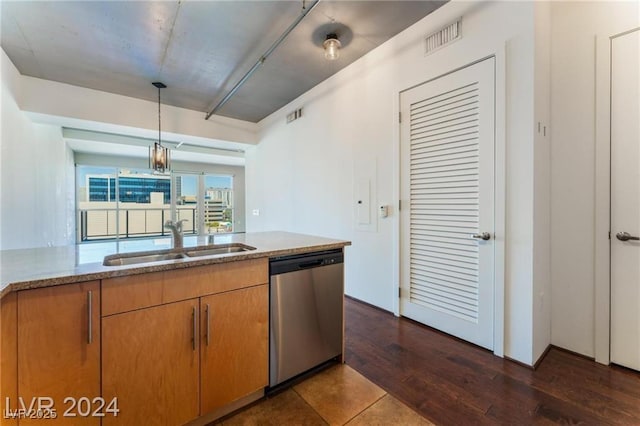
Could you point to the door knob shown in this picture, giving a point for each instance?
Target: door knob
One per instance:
(482, 236)
(625, 236)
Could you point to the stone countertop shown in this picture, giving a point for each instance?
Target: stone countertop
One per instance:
(44, 267)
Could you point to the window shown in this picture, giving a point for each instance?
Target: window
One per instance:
(138, 189)
(102, 188)
(208, 199)
(218, 203)
(117, 203)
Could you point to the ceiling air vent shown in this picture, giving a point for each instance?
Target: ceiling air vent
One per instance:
(293, 116)
(446, 35)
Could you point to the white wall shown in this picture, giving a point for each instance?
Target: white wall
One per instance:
(542, 182)
(36, 176)
(301, 176)
(575, 26)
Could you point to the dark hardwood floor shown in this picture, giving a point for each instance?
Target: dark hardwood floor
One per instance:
(451, 382)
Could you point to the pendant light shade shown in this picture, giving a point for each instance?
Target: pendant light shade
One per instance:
(159, 156)
(332, 47)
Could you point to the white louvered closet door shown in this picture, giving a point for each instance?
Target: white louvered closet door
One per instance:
(447, 177)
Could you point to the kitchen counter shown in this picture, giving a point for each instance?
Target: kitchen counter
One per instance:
(50, 266)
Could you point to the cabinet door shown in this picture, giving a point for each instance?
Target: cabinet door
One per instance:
(150, 362)
(234, 349)
(59, 348)
(8, 356)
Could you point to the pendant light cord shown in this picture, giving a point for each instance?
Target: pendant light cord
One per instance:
(159, 119)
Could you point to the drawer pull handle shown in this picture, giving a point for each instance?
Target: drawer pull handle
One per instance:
(193, 332)
(208, 325)
(89, 317)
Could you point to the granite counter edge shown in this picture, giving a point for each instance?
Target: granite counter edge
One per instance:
(120, 271)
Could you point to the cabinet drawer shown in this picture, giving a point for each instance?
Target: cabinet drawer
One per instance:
(124, 294)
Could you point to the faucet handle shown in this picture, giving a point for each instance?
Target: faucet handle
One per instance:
(179, 224)
(169, 223)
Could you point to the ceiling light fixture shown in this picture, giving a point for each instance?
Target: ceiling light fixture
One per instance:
(332, 47)
(159, 156)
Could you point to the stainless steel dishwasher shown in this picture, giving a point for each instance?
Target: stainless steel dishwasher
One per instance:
(306, 310)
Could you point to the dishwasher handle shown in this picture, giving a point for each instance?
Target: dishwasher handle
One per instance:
(305, 265)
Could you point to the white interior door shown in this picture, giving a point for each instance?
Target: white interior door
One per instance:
(447, 190)
(625, 200)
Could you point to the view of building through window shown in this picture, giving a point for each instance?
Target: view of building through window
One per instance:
(127, 203)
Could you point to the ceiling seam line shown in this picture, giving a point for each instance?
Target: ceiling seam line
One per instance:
(262, 59)
(166, 49)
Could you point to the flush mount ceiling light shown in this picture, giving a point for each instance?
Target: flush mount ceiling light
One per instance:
(159, 156)
(332, 37)
(332, 47)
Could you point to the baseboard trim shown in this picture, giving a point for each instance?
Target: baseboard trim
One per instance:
(520, 363)
(368, 304)
(590, 358)
(536, 364)
(542, 357)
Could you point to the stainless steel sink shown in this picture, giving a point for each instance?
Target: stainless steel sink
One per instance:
(218, 249)
(173, 254)
(142, 257)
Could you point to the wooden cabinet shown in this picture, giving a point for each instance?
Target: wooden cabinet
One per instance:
(234, 349)
(150, 362)
(183, 343)
(58, 348)
(123, 294)
(170, 346)
(8, 355)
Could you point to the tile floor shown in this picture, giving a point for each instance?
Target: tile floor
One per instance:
(337, 396)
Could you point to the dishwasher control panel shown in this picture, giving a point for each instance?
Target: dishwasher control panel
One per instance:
(298, 262)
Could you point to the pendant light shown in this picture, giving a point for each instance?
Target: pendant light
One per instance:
(332, 47)
(159, 156)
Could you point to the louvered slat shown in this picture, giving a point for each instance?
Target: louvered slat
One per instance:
(445, 280)
(449, 111)
(469, 138)
(443, 133)
(453, 265)
(460, 290)
(448, 96)
(440, 154)
(455, 261)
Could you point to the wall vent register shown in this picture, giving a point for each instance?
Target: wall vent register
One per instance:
(294, 115)
(443, 37)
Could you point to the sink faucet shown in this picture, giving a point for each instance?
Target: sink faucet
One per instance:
(176, 231)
